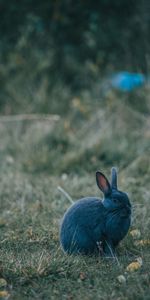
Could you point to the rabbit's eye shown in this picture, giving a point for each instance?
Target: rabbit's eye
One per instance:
(115, 200)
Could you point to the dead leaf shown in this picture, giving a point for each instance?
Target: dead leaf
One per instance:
(82, 276)
(135, 265)
(136, 234)
(2, 222)
(4, 294)
(142, 243)
(3, 282)
(30, 232)
(121, 279)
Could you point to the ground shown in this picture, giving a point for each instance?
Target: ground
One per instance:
(37, 156)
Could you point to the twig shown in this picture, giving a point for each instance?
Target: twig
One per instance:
(60, 189)
(113, 255)
(29, 117)
(3, 241)
(40, 262)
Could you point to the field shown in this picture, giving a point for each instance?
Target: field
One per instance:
(37, 156)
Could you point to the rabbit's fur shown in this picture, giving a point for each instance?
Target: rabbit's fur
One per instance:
(93, 225)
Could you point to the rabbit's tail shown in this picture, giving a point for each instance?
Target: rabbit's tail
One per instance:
(114, 178)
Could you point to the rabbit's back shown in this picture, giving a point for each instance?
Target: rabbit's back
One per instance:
(82, 225)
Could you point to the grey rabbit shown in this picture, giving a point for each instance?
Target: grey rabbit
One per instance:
(93, 225)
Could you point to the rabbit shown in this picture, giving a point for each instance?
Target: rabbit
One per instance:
(92, 225)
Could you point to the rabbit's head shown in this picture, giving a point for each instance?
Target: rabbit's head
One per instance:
(114, 200)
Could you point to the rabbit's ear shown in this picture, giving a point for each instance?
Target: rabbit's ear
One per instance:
(103, 183)
(114, 178)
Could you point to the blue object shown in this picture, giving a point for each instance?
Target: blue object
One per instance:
(93, 225)
(126, 82)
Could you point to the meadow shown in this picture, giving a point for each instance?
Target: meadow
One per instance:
(37, 156)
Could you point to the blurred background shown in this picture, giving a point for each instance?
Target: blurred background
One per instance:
(85, 65)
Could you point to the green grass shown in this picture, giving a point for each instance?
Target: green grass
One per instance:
(34, 158)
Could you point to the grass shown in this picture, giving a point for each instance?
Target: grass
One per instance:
(36, 157)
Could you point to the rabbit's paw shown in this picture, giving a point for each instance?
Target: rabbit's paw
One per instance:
(100, 248)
